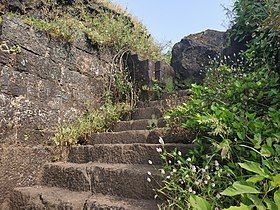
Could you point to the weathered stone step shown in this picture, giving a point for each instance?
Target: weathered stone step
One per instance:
(178, 93)
(138, 124)
(124, 180)
(122, 153)
(146, 113)
(124, 137)
(42, 198)
(156, 103)
(140, 136)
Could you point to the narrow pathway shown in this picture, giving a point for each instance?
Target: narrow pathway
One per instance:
(109, 174)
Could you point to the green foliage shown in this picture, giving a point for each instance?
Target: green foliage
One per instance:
(236, 113)
(259, 23)
(108, 26)
(169, 85)
(97, 120)
(123, 88)
(239, 116)
(188, 176)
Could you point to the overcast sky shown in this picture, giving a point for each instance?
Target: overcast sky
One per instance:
(172, 20)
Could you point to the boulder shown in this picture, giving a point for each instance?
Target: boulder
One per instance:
(193, 53)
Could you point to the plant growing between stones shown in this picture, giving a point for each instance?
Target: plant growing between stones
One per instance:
(14, 49)
(110, 28)
(94, 121)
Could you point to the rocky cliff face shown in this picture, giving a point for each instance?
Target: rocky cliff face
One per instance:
(193, 53)
(45, 81)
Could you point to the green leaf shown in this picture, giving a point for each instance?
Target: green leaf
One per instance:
(277, 198)
(254, 167)
(199, 203)
(276, 180)
(256, 178)
(239, 188)
(266, 151)
(257, 202)
(241, 207)
(241, 135)
(270, 204)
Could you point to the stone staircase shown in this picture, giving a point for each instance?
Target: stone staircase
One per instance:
(110, 173)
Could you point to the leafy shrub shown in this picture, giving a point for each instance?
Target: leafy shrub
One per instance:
(239, 119)
(260, 22)
(97, 120)
(236, 115)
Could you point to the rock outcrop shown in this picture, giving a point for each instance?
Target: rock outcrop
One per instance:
(193, 53)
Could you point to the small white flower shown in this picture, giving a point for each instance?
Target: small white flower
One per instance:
(213, 185)
(205, 182)
(174, 170)
(179, 153)
(216, 163)
(162, 171)
(194, 192)
(167, 177)
(169, 162)
(190, 189)
(149, 173)
(159, 150)
(193, 169)
(161, 141)
(208, 177)
(150, 162)
(149, 179)
(189, 159)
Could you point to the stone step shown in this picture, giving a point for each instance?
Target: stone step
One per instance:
(123, 137)
(124, 180)
(156, 103)
(177, 94)
(146, 113)
(140, 136)
(42, 198)
(122, 153)
(138, 124)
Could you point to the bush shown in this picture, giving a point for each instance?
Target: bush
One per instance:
(258, 21)
(239, 118)
(236, 115)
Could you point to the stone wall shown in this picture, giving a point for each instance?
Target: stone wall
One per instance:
(144, 71)
(50, 81)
